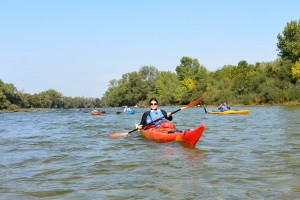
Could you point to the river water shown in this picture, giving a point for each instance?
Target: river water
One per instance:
(66, 154)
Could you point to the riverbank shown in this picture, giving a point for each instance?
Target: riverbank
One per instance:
(24, 110)
(290, 103)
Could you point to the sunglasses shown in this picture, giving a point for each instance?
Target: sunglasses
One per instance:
(153, 104)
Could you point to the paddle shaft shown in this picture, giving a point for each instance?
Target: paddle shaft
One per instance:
(205, 109)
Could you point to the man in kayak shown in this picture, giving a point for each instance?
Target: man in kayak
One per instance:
(223, 106)
(95, 110)
(127, 109)
(154, 114)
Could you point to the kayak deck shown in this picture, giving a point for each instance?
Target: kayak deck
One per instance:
(229, 112)
(190, 137)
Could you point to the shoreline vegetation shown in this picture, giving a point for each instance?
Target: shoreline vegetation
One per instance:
(263, 83)
(292, 103)
(24, 110)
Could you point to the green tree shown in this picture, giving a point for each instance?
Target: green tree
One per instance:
(111, 97)
(24, 100)
(7, 95)
(219, 85)
(44, 100)
(134, 88)
(149, 76)
(242, 78)
(55, 98)
(4, 103)
(296, 70)
(289, 42)
(165, 87)
(192, 77)
(190, 68)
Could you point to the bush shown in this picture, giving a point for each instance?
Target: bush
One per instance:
(13, 107)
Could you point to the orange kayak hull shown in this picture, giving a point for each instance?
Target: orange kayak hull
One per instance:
(96, 113)
(190, 137)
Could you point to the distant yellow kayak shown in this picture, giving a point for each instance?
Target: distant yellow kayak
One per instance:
(229, 112)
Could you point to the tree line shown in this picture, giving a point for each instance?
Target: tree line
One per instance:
(274, 82)
(12, 99)
(246, 84)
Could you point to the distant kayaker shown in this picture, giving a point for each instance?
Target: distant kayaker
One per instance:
(153, 114)
(223, 106)
(127, 109)
(95, 110)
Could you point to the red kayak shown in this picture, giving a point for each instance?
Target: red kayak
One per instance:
(190, 137)
(97, 113)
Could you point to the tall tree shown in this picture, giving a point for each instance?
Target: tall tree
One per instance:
(289, 42)
(189, 68)
(133, 88)
(165, 87)
(192, 77)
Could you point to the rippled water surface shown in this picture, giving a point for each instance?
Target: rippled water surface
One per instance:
(66, 154)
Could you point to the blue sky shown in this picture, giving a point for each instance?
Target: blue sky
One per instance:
(76, 47)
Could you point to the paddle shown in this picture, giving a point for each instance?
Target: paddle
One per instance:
(194, 103)
(205, 109)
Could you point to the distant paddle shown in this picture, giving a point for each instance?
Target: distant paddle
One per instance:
(194, 103)
(205, 109)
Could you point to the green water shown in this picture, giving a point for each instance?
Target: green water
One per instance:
(66, 154)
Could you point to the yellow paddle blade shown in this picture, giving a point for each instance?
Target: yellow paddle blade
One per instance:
(115, 135)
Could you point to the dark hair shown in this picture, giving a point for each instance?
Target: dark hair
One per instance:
(153, 99)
